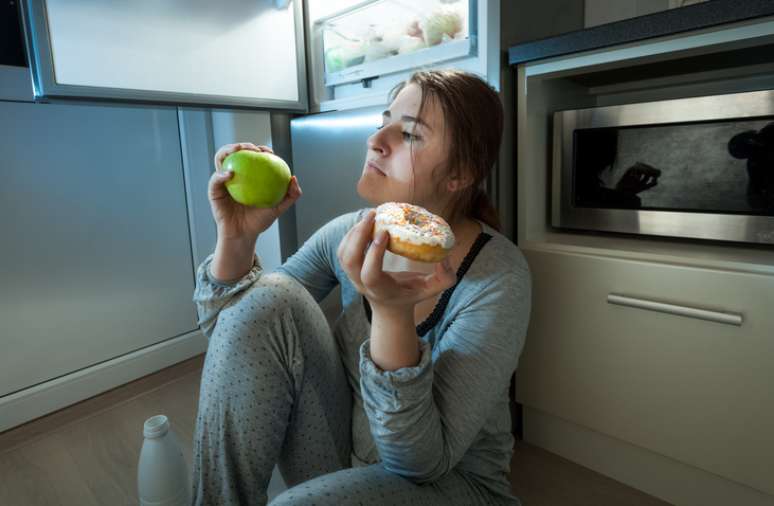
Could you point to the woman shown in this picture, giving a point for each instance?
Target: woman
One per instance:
(406, 401)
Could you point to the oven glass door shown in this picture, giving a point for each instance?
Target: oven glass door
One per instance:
(723, 167)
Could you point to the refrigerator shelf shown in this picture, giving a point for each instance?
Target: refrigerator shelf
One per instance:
(449, 51)
(377, 37)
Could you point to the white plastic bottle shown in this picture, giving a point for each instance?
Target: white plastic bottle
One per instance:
(162, 473)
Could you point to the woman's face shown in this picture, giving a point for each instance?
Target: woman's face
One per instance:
(406, 141)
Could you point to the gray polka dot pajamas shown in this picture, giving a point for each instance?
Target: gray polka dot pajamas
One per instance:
(279, 386)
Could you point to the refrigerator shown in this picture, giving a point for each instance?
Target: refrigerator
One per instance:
(315, 73)
(165, 84)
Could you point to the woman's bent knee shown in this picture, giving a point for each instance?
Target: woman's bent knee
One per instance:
(261, 310)
(274, 324)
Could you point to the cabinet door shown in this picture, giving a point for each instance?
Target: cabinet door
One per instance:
(96, 256)
(694, 390)
(238, 53)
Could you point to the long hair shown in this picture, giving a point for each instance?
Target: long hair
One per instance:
(473, 115)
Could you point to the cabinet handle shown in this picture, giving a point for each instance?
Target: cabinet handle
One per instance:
(662, 307)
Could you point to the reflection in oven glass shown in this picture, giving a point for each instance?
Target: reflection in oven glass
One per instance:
(720, 167)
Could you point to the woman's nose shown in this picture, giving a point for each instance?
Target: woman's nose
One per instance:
(379, 141)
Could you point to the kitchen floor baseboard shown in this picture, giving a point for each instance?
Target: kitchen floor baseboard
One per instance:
(654, 474)
(31, 403)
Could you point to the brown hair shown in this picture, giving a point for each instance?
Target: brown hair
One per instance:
(474, 119)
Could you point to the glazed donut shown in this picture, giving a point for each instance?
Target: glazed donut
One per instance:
(415, 232)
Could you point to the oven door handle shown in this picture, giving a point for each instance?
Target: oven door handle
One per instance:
(663, 307)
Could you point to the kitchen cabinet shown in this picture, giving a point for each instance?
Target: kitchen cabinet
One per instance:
(96, 259)
(690, 389)
(678, 407)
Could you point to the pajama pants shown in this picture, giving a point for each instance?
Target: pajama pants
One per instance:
(274, 391)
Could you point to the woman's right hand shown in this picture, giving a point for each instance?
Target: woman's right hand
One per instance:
(235, 221)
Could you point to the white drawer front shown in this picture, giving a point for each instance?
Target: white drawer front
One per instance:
(695, 390)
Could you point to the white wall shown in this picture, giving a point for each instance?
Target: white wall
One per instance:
(599, 12)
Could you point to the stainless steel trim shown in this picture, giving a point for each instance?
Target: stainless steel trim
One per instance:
(45, 87)
(726, 227)
(663, 307)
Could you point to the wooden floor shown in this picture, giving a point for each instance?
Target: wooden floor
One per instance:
(87, 454)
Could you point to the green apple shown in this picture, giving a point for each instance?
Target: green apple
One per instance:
(259, 180)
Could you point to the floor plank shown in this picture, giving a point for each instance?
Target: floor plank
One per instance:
(25, 433)
(87, 454)
(541, 478)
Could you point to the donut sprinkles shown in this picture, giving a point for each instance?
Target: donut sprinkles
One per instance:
(414, 232)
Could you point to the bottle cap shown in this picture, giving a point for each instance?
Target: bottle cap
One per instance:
(155, 426)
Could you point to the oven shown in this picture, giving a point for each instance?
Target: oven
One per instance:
(698, 168)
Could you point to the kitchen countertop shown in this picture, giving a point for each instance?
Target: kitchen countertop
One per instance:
(692, 17)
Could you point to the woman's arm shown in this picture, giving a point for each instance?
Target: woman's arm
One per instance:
(393, 341)
(212, 294)
(218, 280)
(232, 259)
(233, 266)
(424, 418)
(314, 264)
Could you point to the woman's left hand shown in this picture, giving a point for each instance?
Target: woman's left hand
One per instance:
(364, 269)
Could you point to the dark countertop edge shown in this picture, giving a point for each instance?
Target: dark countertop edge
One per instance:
(668, 22)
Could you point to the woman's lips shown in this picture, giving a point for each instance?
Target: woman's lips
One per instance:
(374, 167)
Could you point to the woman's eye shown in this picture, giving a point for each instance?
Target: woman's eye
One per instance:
(407, 136)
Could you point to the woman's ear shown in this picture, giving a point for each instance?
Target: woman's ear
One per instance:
(456, 184)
